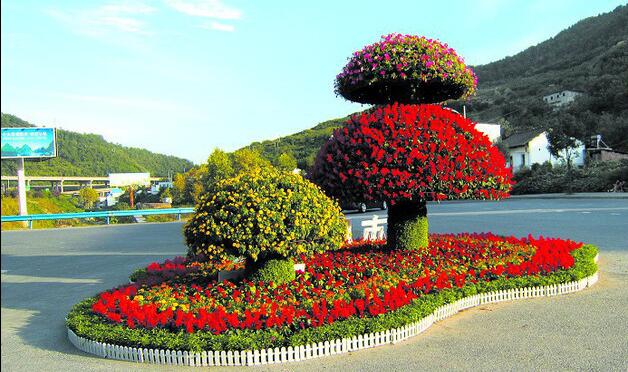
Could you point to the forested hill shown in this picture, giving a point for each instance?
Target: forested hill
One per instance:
(90, 155)
(303, 145)
(590, 57)
(584, 44)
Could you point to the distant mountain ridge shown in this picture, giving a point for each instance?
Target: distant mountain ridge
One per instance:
(591, 56)
(90, 155)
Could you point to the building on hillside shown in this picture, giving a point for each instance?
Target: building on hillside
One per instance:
(532, 147)
(561, 98)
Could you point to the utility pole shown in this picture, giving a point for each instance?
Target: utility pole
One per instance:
(131, 197)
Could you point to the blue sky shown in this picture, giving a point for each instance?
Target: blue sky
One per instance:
(182, 77)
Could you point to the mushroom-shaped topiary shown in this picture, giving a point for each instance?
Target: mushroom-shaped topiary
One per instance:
(405, 69)
(407, 154)
(265, 216)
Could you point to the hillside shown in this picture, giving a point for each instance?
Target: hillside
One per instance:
(303, 145)
(42, 205)
(591, 57)
(90, 155)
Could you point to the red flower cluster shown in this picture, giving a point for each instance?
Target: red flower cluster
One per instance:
(177, 264)
(364, 279)
(411, 152)
(185, 269)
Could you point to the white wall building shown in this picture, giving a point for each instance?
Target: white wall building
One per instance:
(156, 187)
(492, 131)
(561, 98)
(532, 147)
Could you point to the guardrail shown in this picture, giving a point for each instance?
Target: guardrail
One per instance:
(102, 214)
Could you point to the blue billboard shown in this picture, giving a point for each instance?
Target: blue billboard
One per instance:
(28, 143)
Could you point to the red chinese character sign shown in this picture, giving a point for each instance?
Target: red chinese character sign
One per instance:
(407, 154)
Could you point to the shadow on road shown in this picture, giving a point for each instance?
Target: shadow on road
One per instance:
(38, 292)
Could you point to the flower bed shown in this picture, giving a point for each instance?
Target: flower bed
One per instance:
(183, 269)
(359, 289)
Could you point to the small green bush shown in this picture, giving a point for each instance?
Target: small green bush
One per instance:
(545, 178)
(276, 271)
(137, 274)
(262, 215)
(409, 234)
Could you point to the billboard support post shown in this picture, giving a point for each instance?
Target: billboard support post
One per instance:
(21, 187)
(30, 142)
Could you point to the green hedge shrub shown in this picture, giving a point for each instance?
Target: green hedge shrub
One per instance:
(277, 271)
(545, 178)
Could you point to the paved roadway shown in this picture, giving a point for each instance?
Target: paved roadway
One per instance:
(44, 272)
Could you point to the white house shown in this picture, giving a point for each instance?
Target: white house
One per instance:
(111, 196)
(561, 98)
(492, 131)
(156, 187)
(532, 147)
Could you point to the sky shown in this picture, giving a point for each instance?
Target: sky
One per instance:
(183, 77)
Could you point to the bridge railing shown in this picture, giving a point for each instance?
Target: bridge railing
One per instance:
(100, 214)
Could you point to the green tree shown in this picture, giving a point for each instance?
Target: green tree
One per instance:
(286, 162)
(246, 160)
(219, 166)
(88, 197)
(563, 136)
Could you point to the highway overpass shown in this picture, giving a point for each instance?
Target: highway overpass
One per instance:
(59, 182)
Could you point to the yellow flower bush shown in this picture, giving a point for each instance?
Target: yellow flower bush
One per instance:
(265, 214)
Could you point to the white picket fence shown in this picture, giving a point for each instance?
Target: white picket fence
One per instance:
(304, 352)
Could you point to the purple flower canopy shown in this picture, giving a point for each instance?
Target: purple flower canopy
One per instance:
(405, 69)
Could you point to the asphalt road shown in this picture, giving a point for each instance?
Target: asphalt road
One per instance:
(44, 272)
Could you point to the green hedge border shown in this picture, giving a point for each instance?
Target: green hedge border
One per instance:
(90, 326)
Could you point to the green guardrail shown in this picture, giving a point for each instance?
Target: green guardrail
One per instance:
(102, 214)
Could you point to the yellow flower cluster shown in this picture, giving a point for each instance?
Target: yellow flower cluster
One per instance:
(265, 213)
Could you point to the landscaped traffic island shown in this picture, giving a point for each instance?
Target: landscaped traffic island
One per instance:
(297, 288)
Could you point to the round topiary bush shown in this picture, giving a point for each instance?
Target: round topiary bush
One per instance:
(263, 216)
(405, 69)
(277, 271)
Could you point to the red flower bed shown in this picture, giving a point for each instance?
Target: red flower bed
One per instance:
(184, 269)
(362, 280)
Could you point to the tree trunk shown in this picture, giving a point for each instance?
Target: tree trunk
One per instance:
(407, 225)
